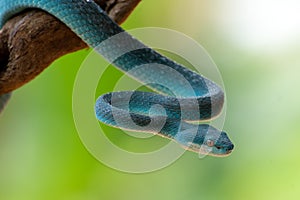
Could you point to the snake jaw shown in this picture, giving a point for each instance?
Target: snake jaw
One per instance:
(207, 150)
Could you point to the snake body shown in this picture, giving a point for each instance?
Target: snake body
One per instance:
(178, 104)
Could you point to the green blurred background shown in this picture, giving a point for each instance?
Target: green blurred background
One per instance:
(256, 47)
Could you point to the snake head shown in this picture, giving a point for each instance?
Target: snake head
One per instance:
(205, 139)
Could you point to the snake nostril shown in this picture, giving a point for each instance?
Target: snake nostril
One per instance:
(230, 147)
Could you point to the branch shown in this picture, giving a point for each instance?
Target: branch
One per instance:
(32, 40)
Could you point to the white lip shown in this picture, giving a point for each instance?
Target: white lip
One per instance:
(222, 155)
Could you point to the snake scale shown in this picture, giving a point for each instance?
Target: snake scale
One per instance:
(168, 113)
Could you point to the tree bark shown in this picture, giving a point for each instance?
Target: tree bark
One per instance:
(32, 40)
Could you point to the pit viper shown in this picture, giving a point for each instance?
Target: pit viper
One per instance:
(183, 96)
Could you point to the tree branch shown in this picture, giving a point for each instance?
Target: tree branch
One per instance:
(32, 40)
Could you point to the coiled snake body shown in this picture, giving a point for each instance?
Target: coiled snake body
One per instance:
(195, 100)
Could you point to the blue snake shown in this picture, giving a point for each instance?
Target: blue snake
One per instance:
(172, 111)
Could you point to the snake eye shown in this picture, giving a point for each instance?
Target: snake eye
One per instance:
(210, 143)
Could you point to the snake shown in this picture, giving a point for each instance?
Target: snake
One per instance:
(181, 101)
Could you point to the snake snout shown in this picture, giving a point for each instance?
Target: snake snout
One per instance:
(224, 143)
(230, 147)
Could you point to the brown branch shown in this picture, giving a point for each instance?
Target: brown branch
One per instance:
(32, 40)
